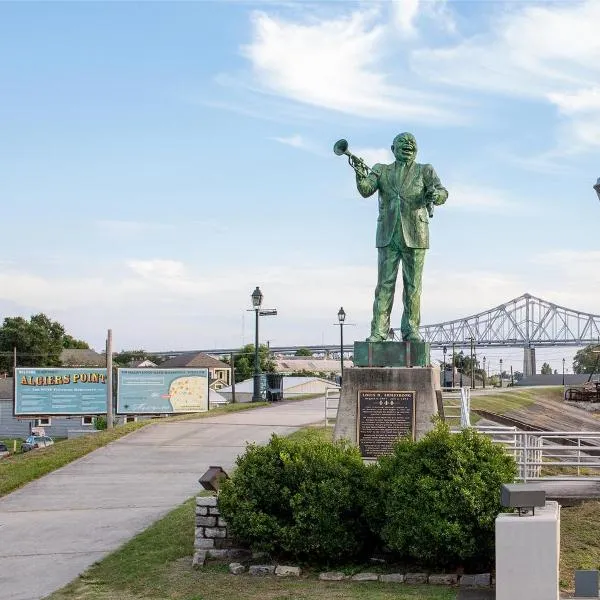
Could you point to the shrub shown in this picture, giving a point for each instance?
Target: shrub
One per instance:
(439, 497)
(298, 498)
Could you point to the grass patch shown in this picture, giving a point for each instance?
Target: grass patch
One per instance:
(579, 535)
(19, 469)
(513, 399)
(156, 564)
(312, 434)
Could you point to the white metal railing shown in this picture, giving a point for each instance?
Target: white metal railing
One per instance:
(465, 407)
(550, 455)
(457, 407)
(332, 403)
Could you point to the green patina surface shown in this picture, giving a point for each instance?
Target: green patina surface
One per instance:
(391, 354)
(407, 193)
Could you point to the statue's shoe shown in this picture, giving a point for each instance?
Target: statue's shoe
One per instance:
(412, 338)
(375, 338)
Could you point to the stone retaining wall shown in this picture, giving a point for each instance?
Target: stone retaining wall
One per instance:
(212, 539)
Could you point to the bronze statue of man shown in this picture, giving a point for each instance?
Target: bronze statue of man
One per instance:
(407, 190)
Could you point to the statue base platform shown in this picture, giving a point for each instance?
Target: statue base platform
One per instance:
(391, 354)
(379, 405)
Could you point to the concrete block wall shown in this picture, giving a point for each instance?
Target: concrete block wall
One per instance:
(211, 529)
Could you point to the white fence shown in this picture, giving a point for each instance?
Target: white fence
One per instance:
(538, 454)
(332, 403)
(457, 407)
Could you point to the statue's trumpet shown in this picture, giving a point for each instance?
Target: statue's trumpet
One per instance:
(358, 164)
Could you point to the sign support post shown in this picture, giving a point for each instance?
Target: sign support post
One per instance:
(109, 386)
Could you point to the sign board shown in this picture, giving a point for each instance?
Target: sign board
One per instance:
(383, 417)
(49, 391)
(162, 391)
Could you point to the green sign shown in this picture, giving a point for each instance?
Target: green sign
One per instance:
(51, 391)
(161, 391)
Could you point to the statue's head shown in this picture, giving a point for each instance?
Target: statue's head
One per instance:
(404, 147)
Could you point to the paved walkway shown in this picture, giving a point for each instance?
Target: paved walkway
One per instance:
(52, 529)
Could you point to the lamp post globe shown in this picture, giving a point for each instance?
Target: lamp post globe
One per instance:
(257, 299)
(341, 319)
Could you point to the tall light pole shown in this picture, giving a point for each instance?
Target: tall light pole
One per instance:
(597, 188)
(257, 299)
(341, 319)
(563, 372)
(500, 372)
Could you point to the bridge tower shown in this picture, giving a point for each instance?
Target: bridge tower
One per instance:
(529, 366)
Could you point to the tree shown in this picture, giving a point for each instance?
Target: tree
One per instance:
(244, 361)
(39, 342)
(303, 352)
(546, 369)
(125, 358)
(70, 342)
(587, 360)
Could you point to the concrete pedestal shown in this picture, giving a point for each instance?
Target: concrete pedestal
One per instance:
(527, 554)
(424, 381)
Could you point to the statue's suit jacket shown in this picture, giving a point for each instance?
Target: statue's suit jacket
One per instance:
(403, 195)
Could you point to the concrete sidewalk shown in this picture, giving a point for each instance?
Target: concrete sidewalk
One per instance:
(52, 529)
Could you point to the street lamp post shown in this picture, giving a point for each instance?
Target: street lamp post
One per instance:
(257, 298)
(563, 372)
(500, 372)
(341, 319)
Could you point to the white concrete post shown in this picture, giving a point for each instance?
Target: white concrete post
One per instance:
(527, 554)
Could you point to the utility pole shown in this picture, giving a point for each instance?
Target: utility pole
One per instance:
(453, 354)
(14, 360)
(472, 365)
(232, 378)
(109, 387)
(500, 372)
(484, 373)
(512, 377)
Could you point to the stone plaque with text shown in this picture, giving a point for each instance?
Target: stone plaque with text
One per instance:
(383, 417)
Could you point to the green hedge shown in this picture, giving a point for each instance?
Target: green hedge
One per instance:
(299, 498)
(432, 502)
(438, 498)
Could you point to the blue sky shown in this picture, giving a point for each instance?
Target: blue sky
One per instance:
(160, 160)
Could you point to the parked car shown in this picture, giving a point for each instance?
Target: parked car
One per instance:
(4, 451)
(36, 441)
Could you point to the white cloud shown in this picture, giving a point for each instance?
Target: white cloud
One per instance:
(405, 12)
(165, 304)
(372, 156)
(296, 141)
(480, 198)
(335, 64)
(549, 53)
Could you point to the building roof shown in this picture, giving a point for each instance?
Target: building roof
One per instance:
(307, 363)
(247, 386)
(82, 357)
(556, 379)
(142, 364)
(7, 385)
(195, 360)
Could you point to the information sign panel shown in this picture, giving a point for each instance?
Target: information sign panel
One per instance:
(162, 391)
(383, 417)
(50, 391)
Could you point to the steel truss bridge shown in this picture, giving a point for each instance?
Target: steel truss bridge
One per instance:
(526, 321)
